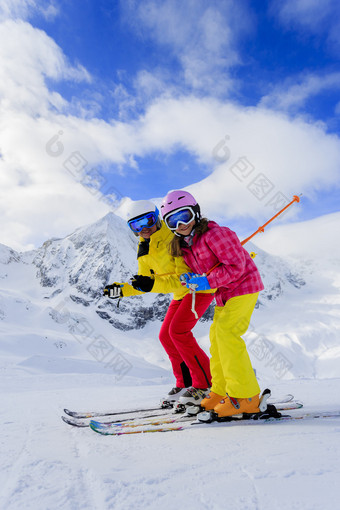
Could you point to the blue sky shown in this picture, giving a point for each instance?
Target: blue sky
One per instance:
(102, 36)
(144, 91)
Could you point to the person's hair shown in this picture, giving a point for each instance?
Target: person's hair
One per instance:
(175, 245)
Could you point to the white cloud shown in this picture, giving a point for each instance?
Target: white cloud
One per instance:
(311, 16)
(292, 94)
(33, 184)
(24, 9)
(201, 36)
(310, 13)
(16, 8)
(312, 239)
(27, 57)
(39, 193)
(40, 197)
(294, 156)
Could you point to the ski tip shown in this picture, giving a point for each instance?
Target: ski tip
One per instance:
(98, 430)
(75, 414)
(92, 427)
(69, 413)
(66, 420)
(74, 422)
(99, 424)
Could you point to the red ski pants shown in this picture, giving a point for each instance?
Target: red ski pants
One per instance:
(180, 344)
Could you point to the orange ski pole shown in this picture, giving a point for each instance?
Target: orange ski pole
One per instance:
(261, 229)
(296, 198)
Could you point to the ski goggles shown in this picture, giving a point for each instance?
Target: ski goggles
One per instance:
(183, 216)
(146, 221)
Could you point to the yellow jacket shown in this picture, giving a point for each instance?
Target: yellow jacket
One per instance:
(154, 259)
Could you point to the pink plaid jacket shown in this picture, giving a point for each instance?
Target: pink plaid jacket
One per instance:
(237, 273)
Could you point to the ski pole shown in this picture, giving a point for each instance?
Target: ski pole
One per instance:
(296, 198)
(261, 229)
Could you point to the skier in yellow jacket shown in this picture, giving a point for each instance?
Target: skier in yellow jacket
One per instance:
(157, 272)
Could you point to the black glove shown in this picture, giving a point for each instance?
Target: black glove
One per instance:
(142, 283)
(113, 291)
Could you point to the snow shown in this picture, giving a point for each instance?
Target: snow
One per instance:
(50, 359)
(47, 464)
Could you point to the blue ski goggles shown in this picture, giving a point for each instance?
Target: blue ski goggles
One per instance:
(184, 216)
(146, 221)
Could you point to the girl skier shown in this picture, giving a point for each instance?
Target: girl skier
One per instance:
(216, 251)
(157, 273)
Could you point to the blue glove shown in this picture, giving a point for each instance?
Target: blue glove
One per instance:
(196, 281)
(185, 277)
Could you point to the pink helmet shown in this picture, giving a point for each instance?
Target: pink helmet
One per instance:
(178, 199)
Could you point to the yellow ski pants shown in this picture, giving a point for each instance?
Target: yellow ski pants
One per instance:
(230, 366)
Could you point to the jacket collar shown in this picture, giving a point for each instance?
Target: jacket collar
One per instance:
(162, 234)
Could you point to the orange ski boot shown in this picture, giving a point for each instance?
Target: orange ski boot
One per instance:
(231, 406)
(211, 400)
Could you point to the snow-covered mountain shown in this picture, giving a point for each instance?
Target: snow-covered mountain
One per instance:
(78, 267)
(51, 307)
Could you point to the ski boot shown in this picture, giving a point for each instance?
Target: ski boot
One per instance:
(246, 408)
(172, 397)
(210, 401)
(231, 406)
(190, 401)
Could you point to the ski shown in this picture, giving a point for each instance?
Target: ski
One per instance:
(171, 418)
(164, 405)
(281, 400)
(85, 422)
(75, 422)
(232, 421)
(98, 414)
(293, 404)
(143, 422)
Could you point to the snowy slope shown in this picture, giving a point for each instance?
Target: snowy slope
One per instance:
(46, 464)
(63, 345)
